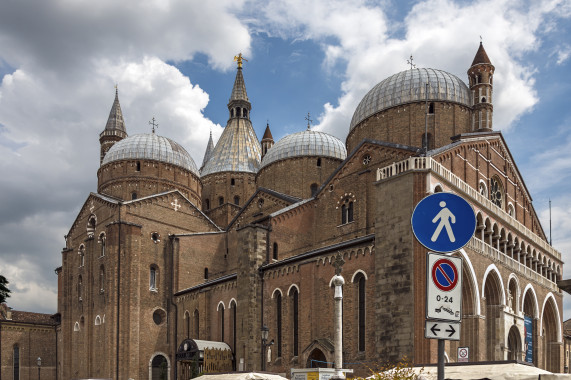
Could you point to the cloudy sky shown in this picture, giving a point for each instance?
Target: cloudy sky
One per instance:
(172, 60)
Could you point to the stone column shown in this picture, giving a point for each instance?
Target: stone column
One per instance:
(338, 282)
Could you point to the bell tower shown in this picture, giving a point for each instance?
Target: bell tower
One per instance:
(114, 129)
(481, 75)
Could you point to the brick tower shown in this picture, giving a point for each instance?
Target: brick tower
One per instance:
(481, 75)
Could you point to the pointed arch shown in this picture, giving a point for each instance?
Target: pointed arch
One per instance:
(357, 273)
(276, 292)
(551, 298)
(473, 281)
(492, 268)
(533, 297)
(292, 286)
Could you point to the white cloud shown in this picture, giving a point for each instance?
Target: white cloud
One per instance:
(438, 33)
(66, 57)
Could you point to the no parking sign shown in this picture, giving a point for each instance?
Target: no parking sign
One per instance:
(444, 287)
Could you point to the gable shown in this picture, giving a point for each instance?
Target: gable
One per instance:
(260, 206)
(484, 162)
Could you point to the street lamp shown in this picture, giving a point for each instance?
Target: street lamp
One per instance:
(265, 333)
(39, 361)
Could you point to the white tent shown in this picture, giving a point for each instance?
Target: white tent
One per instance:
(242, 376)
(504, 371)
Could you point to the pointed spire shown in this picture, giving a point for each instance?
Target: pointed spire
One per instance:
(115, 120)
(208, 153)
(267, 140)
(481, 56)
(239, 89)
(267, 133)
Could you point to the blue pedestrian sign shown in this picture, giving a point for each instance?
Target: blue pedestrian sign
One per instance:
(443, 222)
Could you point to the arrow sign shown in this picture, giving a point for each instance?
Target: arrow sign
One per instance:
(442, 330)
(451, 330)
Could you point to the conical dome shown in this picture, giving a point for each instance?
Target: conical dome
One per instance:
(306, 143)
(238, 149)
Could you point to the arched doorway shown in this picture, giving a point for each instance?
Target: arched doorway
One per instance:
(493, 309)
(316, 359)
(159, 368)
(514, 344)
(551, 344)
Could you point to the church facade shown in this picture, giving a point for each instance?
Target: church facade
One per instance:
(166, 251)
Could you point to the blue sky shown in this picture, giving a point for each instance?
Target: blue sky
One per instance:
(172, 59)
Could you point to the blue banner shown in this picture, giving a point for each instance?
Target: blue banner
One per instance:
(528, 332)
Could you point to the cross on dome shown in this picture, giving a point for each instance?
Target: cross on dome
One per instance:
(409, 62)
(154, 124)
(309, 121)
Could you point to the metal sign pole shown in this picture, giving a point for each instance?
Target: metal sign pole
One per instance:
(440, 359)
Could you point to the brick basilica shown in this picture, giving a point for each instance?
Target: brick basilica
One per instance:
(167, 251)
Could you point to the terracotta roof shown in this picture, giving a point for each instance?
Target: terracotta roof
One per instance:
(481, 56)
(267, 133)
(28, 317)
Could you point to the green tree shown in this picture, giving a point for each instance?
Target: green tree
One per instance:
(4, 291)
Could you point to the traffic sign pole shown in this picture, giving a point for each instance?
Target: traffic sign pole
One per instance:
(440, 359)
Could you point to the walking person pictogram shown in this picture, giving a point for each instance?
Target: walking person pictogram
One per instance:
(446, 217)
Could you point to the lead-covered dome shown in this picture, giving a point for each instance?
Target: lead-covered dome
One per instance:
(409, 86)
(149, 146)
(306, 143)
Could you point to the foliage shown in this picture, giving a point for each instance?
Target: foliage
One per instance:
(4, 291)
(401, 370)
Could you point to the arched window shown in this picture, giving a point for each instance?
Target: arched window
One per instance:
(236, 200)
(279, 324)
(102, 242)
(187, 324)
(220, 201)
(232, 181)
(482, 188)
(319, 162)
(101, 279)
(275, 252)
(233, 323)
(80, 288)
(81, 255)
(361, 329)
(196, 324)
(232, 112)
(295, 320)
(313, 189)
(133, 195)
(431, 108)
(207, 204)
(153, 278)
(16, 362)
(221, 321)
(138, 166)
(91, 223)
(347, 211)
(206, 273)
(245, 112)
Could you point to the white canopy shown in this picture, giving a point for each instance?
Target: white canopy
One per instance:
(505, 371)
(242, 376)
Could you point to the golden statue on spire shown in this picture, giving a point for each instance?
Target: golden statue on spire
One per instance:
(238, 58)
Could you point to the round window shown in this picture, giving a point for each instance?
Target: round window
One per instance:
(159, 316)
